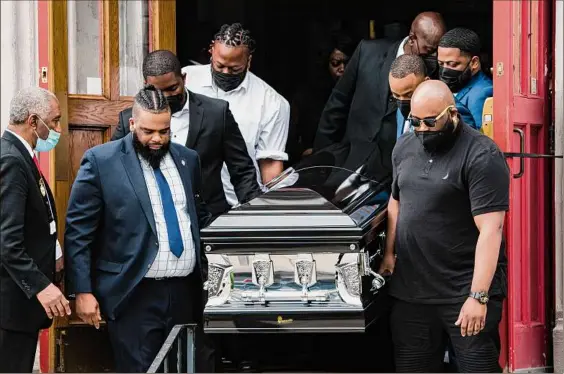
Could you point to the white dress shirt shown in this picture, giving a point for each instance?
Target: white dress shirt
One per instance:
(58, 250)
(263, 116)
(402, 44)
(166, 264)
(180, 124)
(406, 126)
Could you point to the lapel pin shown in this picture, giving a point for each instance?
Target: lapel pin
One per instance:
(42, 188)
(183, 163)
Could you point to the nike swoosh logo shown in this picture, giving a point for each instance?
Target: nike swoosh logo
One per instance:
(446, 176)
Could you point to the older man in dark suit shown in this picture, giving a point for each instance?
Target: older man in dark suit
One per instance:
(135, 255)
(205, 125)
(361, 112)
(28, 222)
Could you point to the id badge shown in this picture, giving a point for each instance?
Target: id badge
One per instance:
(52, 227)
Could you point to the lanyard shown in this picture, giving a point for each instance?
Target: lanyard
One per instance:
(46, 200)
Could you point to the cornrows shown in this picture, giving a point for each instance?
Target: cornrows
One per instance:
(235, 35)
(150, 99)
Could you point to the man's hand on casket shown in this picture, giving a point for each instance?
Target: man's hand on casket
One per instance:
(88, 310)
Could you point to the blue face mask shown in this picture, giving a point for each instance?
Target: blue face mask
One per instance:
(45, 145)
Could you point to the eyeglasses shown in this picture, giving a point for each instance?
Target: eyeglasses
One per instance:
(428, 121)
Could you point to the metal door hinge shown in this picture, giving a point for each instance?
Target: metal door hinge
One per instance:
(44, 74)
(499, 69)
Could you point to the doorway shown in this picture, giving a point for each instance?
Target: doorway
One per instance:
(291, 34)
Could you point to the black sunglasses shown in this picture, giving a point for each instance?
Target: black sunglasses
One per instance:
(428, 121)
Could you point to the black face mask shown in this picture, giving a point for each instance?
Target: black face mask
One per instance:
(432, 66)
(228, 82)
(176, 102)
(153, 156)
(434, 141)
(404, 107)
(455, 79)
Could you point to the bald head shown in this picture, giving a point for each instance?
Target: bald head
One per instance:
(430, 99)
(428, 28)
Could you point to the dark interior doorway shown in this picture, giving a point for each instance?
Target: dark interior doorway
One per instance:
(291, 35)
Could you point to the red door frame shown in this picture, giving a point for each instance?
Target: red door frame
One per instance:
(44, 158)
(504, 105)
(519, 105)
(43, 59)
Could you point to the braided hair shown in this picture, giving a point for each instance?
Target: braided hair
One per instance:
(150, 99)
(235, 35)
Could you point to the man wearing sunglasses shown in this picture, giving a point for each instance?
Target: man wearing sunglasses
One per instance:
(445, 250)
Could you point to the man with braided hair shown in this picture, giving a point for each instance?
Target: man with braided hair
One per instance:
(134, 256)
(203, 124)
(262, 113)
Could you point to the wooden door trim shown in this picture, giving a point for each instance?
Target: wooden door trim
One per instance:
(162, 25)
(110, 22)
(58, 84)
(95, 112)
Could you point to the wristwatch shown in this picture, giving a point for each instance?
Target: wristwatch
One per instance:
(481, 296)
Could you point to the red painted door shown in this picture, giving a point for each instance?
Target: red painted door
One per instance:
(521, 113)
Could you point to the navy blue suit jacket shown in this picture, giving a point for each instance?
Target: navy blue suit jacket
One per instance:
(110, 237)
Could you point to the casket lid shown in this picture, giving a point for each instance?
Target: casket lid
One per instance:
(286, 217)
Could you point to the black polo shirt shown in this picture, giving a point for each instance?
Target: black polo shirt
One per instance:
(439, 195)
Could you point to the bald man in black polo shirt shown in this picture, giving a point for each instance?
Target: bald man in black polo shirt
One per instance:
(445, 221)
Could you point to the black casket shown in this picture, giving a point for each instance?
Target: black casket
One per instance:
(302, 257)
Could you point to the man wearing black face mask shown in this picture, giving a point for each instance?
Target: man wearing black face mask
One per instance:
(406, 73)
(360, 116)
(460, 69)
(203, 124)
(445, 250)
(262, 113)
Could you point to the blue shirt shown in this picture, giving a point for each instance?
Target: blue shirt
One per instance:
(400, 124)
(470, 99)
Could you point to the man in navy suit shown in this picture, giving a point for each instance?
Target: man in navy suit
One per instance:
(132, 235)
(461, 70)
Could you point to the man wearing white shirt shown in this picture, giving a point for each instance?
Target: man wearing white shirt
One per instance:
(360, 116)
(262, 113)
(205, 125)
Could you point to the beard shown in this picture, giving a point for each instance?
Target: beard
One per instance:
(152, 156)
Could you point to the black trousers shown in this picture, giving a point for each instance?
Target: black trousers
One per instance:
(420, 333)
(150, 314)
(17, 351)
